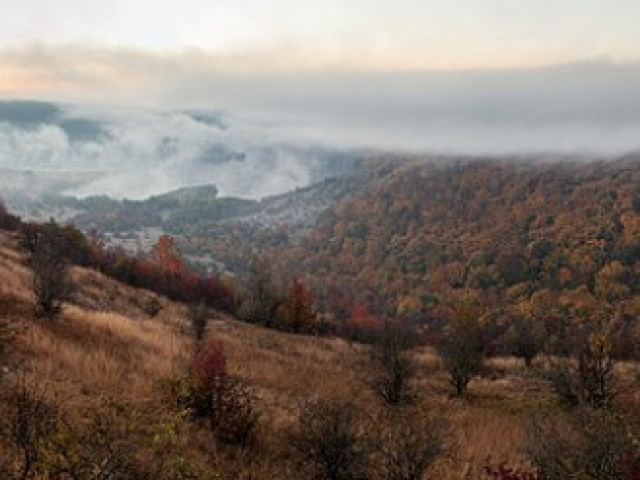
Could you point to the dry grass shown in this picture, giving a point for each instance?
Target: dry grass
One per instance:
(104, 353)
(15, 278)
(106, 349)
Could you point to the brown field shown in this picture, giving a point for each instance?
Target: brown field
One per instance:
(105, 352)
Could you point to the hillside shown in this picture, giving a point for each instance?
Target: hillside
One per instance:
(511, 233)
(106, 357)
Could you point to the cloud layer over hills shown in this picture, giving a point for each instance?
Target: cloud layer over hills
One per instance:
(135, 153)
(284, 131)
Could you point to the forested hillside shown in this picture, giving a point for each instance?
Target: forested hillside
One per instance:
(515, 235)
(536, 263)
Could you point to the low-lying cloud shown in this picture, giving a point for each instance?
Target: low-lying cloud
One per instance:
(284, 130)
(135, 153)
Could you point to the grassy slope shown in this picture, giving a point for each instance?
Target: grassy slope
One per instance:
(106, 350)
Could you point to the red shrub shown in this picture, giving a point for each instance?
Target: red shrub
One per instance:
(209, 368)
(226, 401)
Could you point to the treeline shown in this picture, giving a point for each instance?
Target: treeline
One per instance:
(163, 273)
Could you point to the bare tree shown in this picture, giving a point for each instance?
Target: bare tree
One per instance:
(392, 365)
(51, 279)
(263, 298)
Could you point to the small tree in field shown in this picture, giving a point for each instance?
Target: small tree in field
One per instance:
(587, 376)
(392, 365)
(263, 298)
(524, 341)
(463, 347)
(51, 280)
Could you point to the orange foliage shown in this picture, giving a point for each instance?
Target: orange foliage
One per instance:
(297, 313)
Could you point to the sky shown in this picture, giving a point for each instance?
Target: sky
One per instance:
(440, 76)
(79, 48)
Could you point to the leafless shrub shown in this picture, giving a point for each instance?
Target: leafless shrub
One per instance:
(236, 420)
(329, 442)
(102, 450)
(410, 445)
(24, 429)
(591, 445)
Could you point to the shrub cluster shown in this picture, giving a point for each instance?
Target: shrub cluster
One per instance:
(334, 440)
(586, 375)
(226, 401)
(7, 335)
(290, 310)
(410, 445)
(591, 445)
(38, 441)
